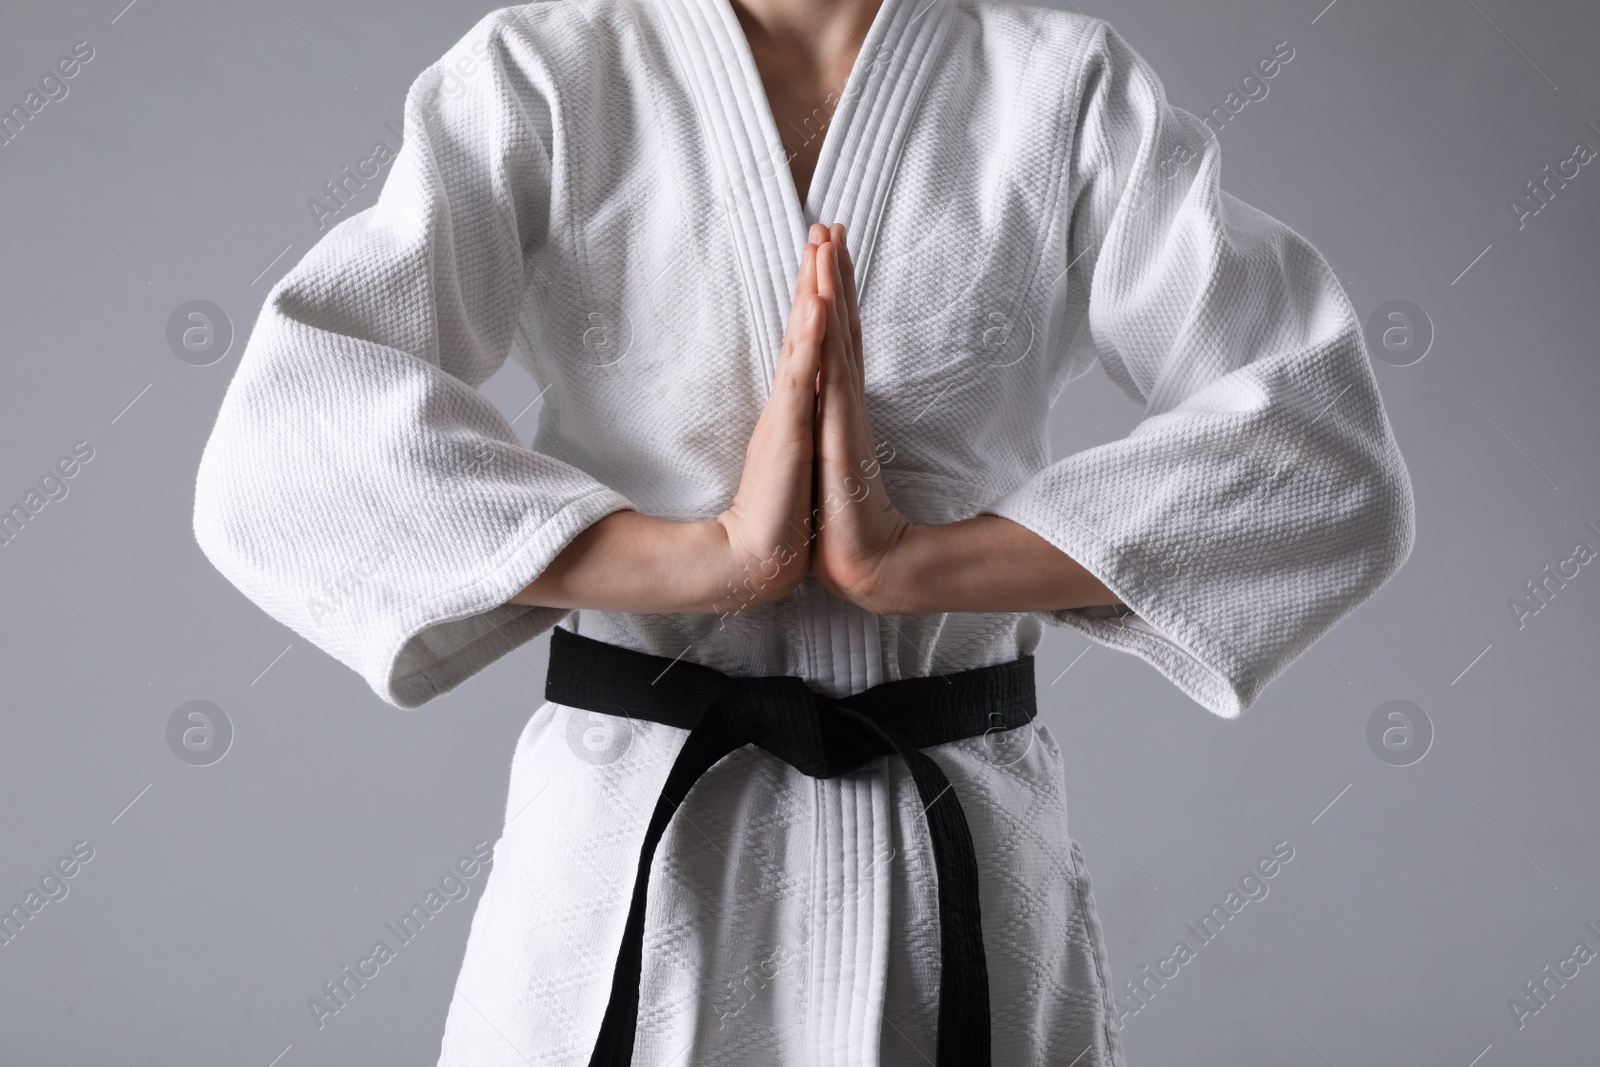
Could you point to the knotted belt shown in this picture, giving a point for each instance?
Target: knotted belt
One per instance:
(821, 737)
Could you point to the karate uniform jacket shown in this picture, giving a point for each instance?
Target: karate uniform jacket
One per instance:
(597, 189)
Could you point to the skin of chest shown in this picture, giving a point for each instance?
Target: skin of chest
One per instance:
(802, 95)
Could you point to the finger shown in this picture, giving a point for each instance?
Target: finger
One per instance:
(827, 270)
(839, 388)
(808, 269)
(805, 277)
(807, 324)
(840, 416)
(817, 234)
(809, 342)
(827, 289)
(804, 285)
(840, 363)
(830, 283)
(795, 378)
(802, 338)
(848, 271)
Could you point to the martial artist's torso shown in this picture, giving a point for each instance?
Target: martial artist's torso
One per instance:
(792, 920)
(607, 198)
(656, 303)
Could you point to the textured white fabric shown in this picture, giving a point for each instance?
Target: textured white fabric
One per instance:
(597, 188)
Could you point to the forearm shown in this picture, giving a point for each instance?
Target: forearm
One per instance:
(630, 561)
(982, 564)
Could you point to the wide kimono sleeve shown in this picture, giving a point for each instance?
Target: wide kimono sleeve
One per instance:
(1261, 497)
(357, 484)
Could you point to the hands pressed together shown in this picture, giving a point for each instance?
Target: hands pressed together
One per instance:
(811, 500)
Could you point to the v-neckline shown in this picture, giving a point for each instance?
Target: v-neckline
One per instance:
(749, 166)
(901, 39)
(804, 207)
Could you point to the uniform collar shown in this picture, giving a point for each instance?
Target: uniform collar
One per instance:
(860, 149)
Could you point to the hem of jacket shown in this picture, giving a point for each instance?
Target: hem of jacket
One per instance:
(1185, 652)
(496, 626)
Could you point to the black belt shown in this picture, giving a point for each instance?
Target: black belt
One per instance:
(821, 737)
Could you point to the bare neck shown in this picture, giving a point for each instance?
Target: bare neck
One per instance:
(820, 34)
(805, 50)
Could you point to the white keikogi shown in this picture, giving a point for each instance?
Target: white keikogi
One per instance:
(597, 188)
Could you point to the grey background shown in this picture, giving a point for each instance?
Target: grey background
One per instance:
(1416, 905)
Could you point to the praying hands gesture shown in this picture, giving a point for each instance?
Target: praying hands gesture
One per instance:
(811, 500)
(866, 551)
(859, 531)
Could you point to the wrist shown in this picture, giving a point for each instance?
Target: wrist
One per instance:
(897, 583)
(736, 578)
(985, 563)
(633, 562)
